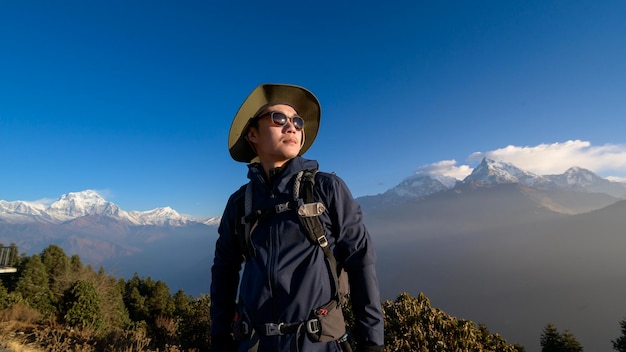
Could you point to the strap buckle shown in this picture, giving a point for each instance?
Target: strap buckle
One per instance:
(322, 241)
(273, 329)
(281, 207)
(313, 326)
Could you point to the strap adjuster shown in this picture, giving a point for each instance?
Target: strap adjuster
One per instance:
(313, 326)
(273, 329)
(281, 207)
(322, 241)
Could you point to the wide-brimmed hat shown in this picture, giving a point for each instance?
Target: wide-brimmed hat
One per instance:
(301, 99)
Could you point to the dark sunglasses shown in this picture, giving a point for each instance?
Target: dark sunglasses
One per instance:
(280, 119)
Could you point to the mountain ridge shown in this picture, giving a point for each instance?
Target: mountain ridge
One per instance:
(73, 205)
(487, 174)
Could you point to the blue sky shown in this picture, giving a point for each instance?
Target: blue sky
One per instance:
(134, 99)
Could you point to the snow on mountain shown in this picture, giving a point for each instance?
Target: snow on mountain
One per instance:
(577, 177)
(78, 204)
(20, 211)
(498, 172)
(422, 184)
(491, 172)
(159, 216)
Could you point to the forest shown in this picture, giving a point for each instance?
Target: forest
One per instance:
(53, 302)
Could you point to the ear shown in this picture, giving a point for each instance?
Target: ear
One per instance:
(252, 135)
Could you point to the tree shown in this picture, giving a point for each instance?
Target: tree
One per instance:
(569, 342)
(57, 264)
(195, 323)
(32, 285)
(619, 344)
(83, 307)
(553, 341)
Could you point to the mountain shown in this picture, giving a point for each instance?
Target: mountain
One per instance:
(102, 233)
(74, 205)
(582, 179)
(490, 173)
(497, 172)
(416, 186)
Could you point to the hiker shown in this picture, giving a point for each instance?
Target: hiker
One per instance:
(297, 232)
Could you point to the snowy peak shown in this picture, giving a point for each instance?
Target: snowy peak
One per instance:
(422, 184)
(579, 177)
(499, 172)
(159, 216)
(74, 205)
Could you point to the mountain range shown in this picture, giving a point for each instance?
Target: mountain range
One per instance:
(503, 246)
(74, 205)
(490, 173)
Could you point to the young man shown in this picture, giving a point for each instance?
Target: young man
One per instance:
(287, 281)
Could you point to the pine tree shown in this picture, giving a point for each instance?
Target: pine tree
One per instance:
(569, 342)
(553, 341)
(550, 339)
(83, 307)
(32, 285)
(619, 344)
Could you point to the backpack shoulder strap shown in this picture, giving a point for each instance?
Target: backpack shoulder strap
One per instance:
(242, 228)
(309, 213)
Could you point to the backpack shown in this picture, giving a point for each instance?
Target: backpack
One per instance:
(330, 316)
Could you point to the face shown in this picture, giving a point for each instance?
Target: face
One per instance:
(274, 144)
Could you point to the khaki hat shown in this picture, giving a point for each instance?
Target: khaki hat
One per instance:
(302, 100)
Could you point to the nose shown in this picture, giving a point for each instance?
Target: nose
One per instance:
(289, 126)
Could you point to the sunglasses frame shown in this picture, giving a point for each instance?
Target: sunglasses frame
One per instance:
(287, 118)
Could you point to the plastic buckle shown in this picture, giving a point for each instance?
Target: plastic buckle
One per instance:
(272, 329)
(282, 207)
(313, 326)
(322, 241)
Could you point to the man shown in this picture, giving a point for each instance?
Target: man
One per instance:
(286, 280)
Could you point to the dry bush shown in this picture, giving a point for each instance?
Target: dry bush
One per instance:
(20, 312)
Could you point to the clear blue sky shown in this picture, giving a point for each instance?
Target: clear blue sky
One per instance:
(134, 99)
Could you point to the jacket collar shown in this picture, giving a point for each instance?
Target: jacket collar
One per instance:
(281, 180)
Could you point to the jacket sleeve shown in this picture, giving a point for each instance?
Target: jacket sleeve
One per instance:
(356, 254)
(225, 272)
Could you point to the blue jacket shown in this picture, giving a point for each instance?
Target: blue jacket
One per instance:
(288, 276)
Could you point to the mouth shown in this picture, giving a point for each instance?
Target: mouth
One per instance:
(290, 141)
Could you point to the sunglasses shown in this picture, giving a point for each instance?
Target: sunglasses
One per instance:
(280, 119)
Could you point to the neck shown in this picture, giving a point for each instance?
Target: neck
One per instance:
(272, 168)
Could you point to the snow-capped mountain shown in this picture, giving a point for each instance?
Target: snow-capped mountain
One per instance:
(422, 184)
(488, 173)
(576, 177)
(491, 172)
(498, 172)
(78, 204)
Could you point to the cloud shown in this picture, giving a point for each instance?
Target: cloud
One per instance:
(608, 160)
(447, 168)
(616, 179)
(555, 158)
(43, 201)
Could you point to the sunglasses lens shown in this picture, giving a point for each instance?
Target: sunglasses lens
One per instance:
(298, 122)
(279, 118)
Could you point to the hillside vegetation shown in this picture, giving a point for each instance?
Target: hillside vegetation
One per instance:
(55, 303)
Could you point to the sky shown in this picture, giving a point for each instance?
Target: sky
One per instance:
(134, 99)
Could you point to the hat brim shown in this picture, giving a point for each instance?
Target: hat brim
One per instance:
(302, 100)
